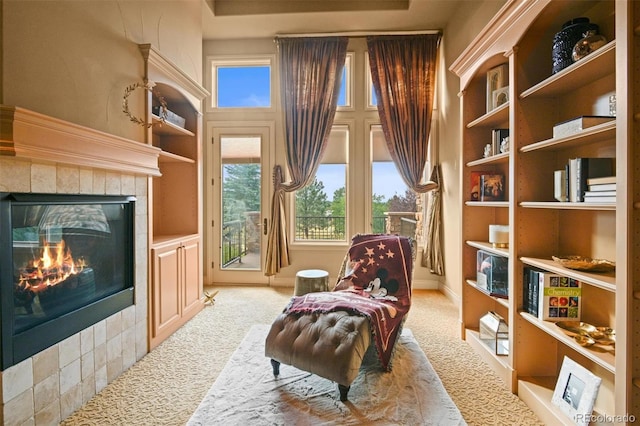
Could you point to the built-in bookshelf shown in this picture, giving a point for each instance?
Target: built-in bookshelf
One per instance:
(521, 37)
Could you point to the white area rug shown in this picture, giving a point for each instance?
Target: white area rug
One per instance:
(247, 393)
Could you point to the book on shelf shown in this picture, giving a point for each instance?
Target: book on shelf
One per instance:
(600, 194)
(530, 290)
(583, 168)
(560, 185)
(601, 187)
(497, 136)
(601, 180)
(475, 184)
(578, 124)
(559, 297)
(609, 199)
(492, 188)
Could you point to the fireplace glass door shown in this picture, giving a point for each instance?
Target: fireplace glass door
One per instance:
(67, 254)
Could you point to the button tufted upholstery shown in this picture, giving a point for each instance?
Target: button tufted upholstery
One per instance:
(308, 341)
(332, 343)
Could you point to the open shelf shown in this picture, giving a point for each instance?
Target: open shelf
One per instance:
(604, 356)
(473, 284)
(494, 159)
(562, 205)
(492, 118)
(595, 134)
(169, 157)
(489, 248)
(503, 204)
(593, 67)
(161, 127)
(605, 281)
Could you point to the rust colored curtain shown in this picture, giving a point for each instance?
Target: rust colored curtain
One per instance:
(403, 70)
(310, 75)
(432, 253)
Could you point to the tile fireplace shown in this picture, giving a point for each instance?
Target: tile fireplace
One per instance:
(86, 168)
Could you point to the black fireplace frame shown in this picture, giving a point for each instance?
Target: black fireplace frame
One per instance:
(18, 347)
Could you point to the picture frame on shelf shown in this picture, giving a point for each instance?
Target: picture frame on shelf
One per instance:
(497, 78)
(499, 97)
(576, 391)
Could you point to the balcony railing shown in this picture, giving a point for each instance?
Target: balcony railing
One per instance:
(234, 242)
(330, 227)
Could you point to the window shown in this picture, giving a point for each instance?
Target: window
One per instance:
(372, 101)
(241, 83)
(321, 207)
(345, 97)
(393, 205)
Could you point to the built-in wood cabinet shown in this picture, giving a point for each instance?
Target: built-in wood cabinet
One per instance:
(175, 198)
(175, 270)
(521, 37)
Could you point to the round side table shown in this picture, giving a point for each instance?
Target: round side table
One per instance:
(311, 280)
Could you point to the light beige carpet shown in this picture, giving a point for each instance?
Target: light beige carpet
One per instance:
(247, 393)
(166, 386)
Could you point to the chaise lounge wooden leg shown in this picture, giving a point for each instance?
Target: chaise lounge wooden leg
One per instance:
(276, 367)
(344, 390)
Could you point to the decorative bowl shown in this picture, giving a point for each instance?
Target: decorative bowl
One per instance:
(587, 264)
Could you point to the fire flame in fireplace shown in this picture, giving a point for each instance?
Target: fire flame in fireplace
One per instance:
(53, 267)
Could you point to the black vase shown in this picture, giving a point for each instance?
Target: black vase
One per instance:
(564, 41)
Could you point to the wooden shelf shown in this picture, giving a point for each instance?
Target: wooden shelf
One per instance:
(492, 118)
(595, 134)
(503, 204)
(168, 157)
(558, 205)
(605, 281)
(473, 284)
(593, 67)
(494, 159)
(538, 102)
(602, 355)
(166, 128)
(489, 247)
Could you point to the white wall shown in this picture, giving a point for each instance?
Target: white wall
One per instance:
(73, 59)
(472, 16)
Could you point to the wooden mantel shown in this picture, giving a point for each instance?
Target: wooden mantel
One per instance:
(33, 136)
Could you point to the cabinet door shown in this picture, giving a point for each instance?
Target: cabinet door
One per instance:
(166, 307)
(192, 275)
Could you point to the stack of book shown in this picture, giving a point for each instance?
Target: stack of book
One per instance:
(583, 178)
(551, 297)
(601, 190)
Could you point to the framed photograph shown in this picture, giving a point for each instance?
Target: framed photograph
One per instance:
(576, 391)
(499, 97)
(497, 78)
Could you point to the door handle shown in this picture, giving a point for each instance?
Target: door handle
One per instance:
(264, 226)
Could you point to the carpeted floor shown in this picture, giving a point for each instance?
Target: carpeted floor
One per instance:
(166, 386)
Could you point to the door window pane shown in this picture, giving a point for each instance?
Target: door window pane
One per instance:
(241, 176)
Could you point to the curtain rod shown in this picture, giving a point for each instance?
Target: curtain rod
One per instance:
(359, 33)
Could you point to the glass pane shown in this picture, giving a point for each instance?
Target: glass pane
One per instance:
(245, 86)
(342, 96)
(393, 205)
(321, 206)
(241, 177)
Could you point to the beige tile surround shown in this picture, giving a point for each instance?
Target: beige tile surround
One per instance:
(47, 387)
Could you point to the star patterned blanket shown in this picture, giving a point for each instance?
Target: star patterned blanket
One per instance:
(376, 284)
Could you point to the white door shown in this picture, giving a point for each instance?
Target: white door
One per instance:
(239, 194)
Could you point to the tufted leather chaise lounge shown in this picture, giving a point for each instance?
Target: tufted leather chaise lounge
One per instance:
(331, 344)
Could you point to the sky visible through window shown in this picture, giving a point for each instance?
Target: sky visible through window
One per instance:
(249, 86)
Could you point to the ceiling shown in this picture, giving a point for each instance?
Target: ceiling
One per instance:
(238, 19)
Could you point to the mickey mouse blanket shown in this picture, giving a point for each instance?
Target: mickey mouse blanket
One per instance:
(376, 284)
